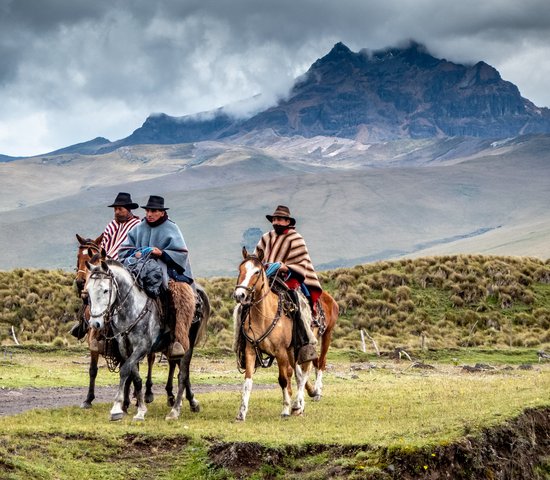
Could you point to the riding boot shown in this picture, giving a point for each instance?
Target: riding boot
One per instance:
(78, 330)
(303, 350)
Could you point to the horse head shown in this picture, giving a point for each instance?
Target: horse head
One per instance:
(101, 288)
(88, 251)
(251, 271)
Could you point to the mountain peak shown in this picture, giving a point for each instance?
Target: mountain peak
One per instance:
(339, 49)
(372, 96)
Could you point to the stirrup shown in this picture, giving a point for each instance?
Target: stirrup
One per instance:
(307, 353)
(176, 351)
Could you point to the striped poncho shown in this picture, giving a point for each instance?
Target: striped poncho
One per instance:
(289, 248)
(115, 234)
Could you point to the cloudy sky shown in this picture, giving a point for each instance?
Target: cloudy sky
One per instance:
(72, 70)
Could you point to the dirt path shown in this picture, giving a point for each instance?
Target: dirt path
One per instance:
(18, 400)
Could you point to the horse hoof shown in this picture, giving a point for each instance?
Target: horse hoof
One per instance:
(138, 418)
(149, 398)
(86, 405)
(115, 417)
(173, 415)
(284, 416)
(170, 401)
(195, 407)
(316, 398)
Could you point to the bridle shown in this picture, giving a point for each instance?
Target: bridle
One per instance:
(90, 245)
(255, 342)
(252, 288)
(115, 305)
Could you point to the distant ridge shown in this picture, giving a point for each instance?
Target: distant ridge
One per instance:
(371, 96)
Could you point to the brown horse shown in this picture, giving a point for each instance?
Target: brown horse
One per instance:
(89, 251)
(330, 311)
(268, 331)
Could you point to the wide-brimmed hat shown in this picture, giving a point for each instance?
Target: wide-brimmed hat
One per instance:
(155, 203)
(283, 212)
(124, 199)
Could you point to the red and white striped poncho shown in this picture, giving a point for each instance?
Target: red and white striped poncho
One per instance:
(115, 234)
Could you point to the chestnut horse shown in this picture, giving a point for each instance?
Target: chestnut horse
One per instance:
(268, 331)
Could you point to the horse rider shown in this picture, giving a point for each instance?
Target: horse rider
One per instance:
(164, 238)
(114, 235)
(285, 246)
(124, 220)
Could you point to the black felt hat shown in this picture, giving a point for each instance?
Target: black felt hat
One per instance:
(124, 199)
(155, 203)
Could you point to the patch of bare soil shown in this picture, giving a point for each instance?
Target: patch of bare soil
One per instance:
(18, 400)
(508, 452)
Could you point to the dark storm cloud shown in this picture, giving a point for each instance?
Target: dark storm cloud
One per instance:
(72, 70)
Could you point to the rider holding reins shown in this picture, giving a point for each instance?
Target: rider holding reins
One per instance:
(284, 245)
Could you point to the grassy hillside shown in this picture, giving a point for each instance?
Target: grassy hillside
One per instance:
(436, 302)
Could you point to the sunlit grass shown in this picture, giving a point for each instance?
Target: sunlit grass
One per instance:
(381, 403)
(386, 406)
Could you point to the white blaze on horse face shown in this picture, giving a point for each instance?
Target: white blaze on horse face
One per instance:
(100, 296)
(241, 293)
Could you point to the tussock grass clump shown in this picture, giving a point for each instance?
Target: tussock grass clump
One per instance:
(436, 302)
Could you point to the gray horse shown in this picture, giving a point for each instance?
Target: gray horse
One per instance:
(136, 323)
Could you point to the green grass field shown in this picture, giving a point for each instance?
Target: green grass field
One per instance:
(381, 417)
(378, 404)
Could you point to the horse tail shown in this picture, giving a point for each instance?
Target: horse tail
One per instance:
(201, 333)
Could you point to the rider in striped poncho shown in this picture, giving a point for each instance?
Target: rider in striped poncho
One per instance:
(284, 245)
(124, 220)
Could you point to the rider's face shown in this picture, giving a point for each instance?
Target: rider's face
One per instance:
(280, 221)
(121, 214)
(153, 215)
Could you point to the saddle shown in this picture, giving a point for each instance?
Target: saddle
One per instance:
(291, 304)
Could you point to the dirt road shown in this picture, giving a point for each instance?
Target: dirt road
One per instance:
(18, 400)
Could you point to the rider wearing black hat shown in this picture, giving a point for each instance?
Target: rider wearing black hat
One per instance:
(167, 245)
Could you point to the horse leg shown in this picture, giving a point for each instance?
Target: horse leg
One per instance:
(127, 401)
(149, 395)
(250, 360)
(193, 402)
(302, 375)
(94, 357)
(320, 366)
(170, 383)
(285, 384)
(139, 394)
(176, 408)
(117, 410)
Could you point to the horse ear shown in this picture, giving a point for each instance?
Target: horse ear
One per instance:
(98, 240)
(245, 253)
(104, 265)
(81, 240)
(103, 254)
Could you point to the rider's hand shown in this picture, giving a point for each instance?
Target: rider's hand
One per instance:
(283, 268)
(156, 252)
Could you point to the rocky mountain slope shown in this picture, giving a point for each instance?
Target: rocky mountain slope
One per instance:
(371, 96)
